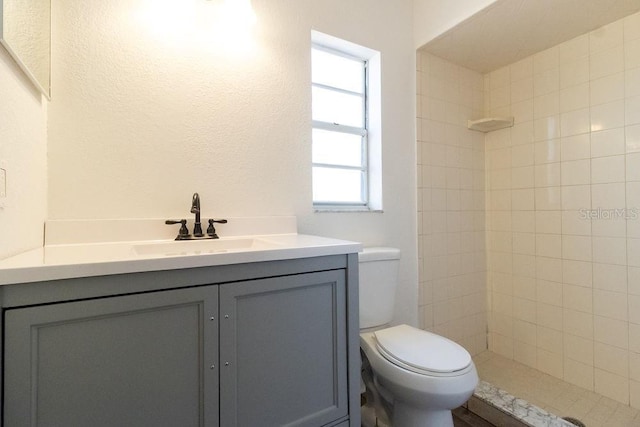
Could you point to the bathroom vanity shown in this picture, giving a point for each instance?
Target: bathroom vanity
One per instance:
(265, 335)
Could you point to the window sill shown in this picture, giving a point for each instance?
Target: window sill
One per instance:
(335, 209)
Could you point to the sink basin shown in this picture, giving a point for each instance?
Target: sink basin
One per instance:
(195, 247)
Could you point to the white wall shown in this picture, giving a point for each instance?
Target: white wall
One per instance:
(434, 17)
(23, 120)
(150, 105)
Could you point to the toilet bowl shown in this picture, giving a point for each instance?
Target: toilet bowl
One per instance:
(421, 375)
(418, 375)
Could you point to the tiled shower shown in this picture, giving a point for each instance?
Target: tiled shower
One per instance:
(530, 235)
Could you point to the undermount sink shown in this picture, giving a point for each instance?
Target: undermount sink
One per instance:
(195, 247)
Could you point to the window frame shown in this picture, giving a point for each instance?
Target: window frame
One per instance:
(363, 132)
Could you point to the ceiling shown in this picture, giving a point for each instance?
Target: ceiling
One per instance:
(509, 30)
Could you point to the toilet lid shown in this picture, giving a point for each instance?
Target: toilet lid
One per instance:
(421, 351)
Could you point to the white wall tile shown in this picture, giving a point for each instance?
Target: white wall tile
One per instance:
(545, 60)
(573, 49)
(524, 222)
(548, 151)
(578, 323)
(549, 269)
(608, 89)
(576, 172)
(574, 72)
(575, 97)
(522, 133)
(546, 128)
(548, 222)
(607, 116)
(546, 82)
(610, 277)
(606, 62)
(576, 197)
(522, 177)
(521, 90)
(612, 386)
(612, 224)
(577, 298)
(575, 122)
(548, 198)
(548, 292)
(632, 27)
(522, 155)
(549, 316)
(632, 110)
(608, 169)
(522, 69)
(549, 339)
(576, 147)
(634, 309)
(549, 245)
(568, 264)
(610, 250)
(522, 111)
(577, 272)
(606, 37)
(611, 359)
(524, 243)
(546, 105)
(608, 197)
(579, 374)
(523, 200)
(632, 54)
(633, 252)
(611, 331)
(547, 175)
(576, 248)
(576, 222)
(608, 142)
(632, 82)
(610, 304)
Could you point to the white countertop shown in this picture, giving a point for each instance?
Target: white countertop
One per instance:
(66, 260)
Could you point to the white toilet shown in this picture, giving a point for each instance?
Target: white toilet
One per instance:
(419, 376)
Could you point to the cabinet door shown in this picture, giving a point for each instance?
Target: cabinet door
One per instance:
(138, 360)
(283, 351)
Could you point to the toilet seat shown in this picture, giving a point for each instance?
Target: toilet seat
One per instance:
(421, 352)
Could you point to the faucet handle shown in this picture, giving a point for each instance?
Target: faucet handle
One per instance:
(211, 230)
(184, 231)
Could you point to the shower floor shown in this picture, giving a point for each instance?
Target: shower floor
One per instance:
(552, 394)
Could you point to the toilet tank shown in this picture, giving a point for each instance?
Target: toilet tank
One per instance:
(378, 282)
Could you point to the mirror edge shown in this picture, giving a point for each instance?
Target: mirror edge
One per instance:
(16, 59)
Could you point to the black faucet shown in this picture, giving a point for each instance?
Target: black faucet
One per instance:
(183, 234)
(195, 209)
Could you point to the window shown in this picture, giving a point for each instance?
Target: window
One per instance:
(340, 136)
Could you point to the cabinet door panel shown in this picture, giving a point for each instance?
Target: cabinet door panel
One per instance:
(283, 351)
(138, 360)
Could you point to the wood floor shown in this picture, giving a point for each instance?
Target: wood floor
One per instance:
(462, 417)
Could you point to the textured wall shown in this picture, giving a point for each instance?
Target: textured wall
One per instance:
(23, 146)
(150, 103)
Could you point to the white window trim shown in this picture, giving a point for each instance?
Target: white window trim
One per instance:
(373, 142)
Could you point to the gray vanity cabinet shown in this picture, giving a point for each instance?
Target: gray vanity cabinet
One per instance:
(134, 361)
(283, 351)
(262, 344)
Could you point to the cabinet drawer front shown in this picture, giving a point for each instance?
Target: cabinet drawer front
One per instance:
(126, 361)
(283, 351)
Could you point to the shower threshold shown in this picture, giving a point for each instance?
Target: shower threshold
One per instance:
(500, 408)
